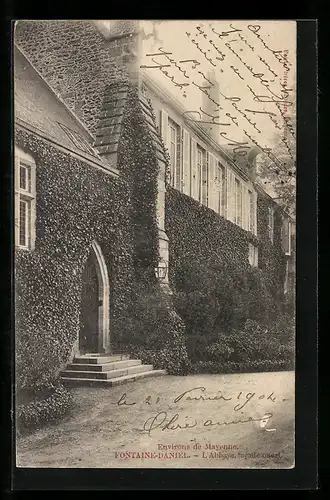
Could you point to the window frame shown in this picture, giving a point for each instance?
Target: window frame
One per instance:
(289, 239)
(204, 182)
(287, 250)
(175, 167)
(255, 255)
(222, 201)
(271, 223)
(238, 202)
(26, 196)
(286, 278)
(251, 211)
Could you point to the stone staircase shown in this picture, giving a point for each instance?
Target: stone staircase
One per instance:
(106, 370)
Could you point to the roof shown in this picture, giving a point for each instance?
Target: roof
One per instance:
(110, 122)
(226, 152)
(38, 108)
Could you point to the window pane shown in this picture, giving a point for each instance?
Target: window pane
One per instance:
(204, 181)
(172, 136)
(251, 210)
(23, 221)
(238, 202)
(23, 178)
(223, 191)
(199, 174)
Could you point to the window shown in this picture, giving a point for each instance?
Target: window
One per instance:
(286, 235)
(25, 200)
(271, 224)
(250, 211)
(286, 278)
(174, 150)
(144, 89)
(221, 178)
(238, 202)
(199, 172)
(78, 141)
(204, 179)
(253, 255)
(201, 176)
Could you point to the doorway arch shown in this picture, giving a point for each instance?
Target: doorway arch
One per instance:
(94, 334)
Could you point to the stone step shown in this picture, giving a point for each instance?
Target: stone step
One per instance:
(114, 365)
(99, 359)
(107, 375)
(90, 382)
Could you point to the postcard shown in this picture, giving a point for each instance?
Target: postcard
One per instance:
(155, 243)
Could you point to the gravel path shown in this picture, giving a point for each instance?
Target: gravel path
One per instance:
(248, 421)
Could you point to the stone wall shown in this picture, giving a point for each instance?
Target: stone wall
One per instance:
(77, 60)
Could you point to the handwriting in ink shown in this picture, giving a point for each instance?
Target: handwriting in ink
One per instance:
(201, 51)
(200, 120)
(245, 41)
(195, 63)
(269, 99)
(266, 417)
(160, 67)
(240, 148)
(268, 66)
(268, 113)
(254, 125)
(122, 401)
(226, 33)
(278, 54)
(267, 151)
(159, 421)
(236, 71)
(172, 61)
(204, 90)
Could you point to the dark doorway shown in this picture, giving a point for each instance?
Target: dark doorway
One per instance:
(89, 324)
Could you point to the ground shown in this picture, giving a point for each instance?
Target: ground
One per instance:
(222, 421)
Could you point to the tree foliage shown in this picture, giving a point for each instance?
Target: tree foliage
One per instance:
(278, 173)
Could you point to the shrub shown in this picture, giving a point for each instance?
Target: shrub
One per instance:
(216, 298)
(213, 367)
(155, 332)
(48, 404)
(253, 348)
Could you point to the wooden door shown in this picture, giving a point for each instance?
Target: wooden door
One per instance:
(89, 327)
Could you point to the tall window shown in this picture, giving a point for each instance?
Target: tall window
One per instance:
(286, 277)
(204, 180)
(286, 235)
(25, 200)
(200, 173)
(238, 202)
(251, 211)
(271, 224)
(174, 154)
(253, 255)
(221, 178)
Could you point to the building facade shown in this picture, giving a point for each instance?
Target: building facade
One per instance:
(112, 181)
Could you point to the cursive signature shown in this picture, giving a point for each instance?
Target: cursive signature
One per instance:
(172, 423)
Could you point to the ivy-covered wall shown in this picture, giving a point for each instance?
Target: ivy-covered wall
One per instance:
(202, 241)
(76, 204)
(271, 255)
(76, 60)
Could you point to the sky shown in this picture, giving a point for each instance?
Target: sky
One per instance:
(250, 75)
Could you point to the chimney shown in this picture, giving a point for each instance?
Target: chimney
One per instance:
(252, 162)
(210, 108)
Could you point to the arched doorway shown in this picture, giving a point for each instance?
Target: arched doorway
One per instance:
(94, 334)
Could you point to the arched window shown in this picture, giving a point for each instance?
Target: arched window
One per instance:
(25, 200)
